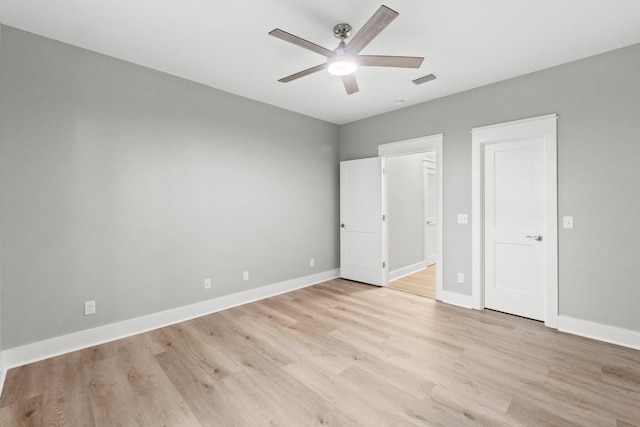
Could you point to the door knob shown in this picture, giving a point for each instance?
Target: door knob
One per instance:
(535, 237)
(342, 225)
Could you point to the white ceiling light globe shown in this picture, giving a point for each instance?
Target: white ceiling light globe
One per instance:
(342, 65)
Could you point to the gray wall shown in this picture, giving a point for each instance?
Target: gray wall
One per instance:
(405, 206)
(129, 187)
(598, 102)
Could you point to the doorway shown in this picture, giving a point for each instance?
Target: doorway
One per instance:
(413, 185)
(514, 218)
(411, 210)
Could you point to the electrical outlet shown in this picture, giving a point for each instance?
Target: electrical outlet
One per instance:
(567, 222)
(207, 283)
(463, 219)
(89, 308)
(460, 277)
(245, 275)
(312, 262)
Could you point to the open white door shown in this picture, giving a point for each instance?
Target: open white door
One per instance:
(362, 225)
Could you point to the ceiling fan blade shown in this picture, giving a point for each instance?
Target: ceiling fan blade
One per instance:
(283, 35)
(390, 61)
(350, 83)
(303, 73)
(371, 29)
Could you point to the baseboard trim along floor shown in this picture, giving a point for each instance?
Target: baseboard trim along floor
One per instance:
(41, 350)
(29, 353)
(600, 332)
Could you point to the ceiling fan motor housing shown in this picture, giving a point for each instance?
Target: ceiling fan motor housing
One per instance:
(342, 31)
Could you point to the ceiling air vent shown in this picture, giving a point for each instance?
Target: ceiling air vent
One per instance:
(425, 79)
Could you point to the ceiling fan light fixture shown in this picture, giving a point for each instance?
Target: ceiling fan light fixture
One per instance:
(342, 65)
(345, 59)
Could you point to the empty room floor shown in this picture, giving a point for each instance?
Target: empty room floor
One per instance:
(421, 283)
(338, 353)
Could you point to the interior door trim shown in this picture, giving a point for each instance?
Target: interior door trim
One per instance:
(543, 126)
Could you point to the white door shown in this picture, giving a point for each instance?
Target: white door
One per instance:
(514, 227)
(430, 209)
(362, 232)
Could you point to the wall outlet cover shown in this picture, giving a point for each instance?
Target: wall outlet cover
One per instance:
(567, 222)
(89, 307)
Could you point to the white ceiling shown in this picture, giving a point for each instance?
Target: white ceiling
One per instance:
(224, 44)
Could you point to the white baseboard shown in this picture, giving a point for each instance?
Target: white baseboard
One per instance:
(584, 328)
(3, 371)
(41, 350)
(600, 332)
(454, 298)
(405, 271)
(29, 353)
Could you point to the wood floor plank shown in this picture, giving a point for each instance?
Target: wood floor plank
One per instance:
(469, 402)
(184, 339)
(23, 383)
(291, 401)
(338, 353)
(207, 401)
(361, 407)
(23, 413)
(295, 341)
(254, 401)
(595, 393)
(112, 399)
(251, 349)
(66, 394)
(154, 392)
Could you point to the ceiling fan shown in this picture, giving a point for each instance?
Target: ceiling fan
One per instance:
(343, 60)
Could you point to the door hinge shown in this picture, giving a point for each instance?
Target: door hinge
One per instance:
(384, 217)
(384, 264)
(384, 171)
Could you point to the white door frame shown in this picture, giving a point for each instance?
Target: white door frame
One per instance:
(545, 127)
(414, 146)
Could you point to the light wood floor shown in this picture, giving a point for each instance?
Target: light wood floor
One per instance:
(421, 283)
(340, 354)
